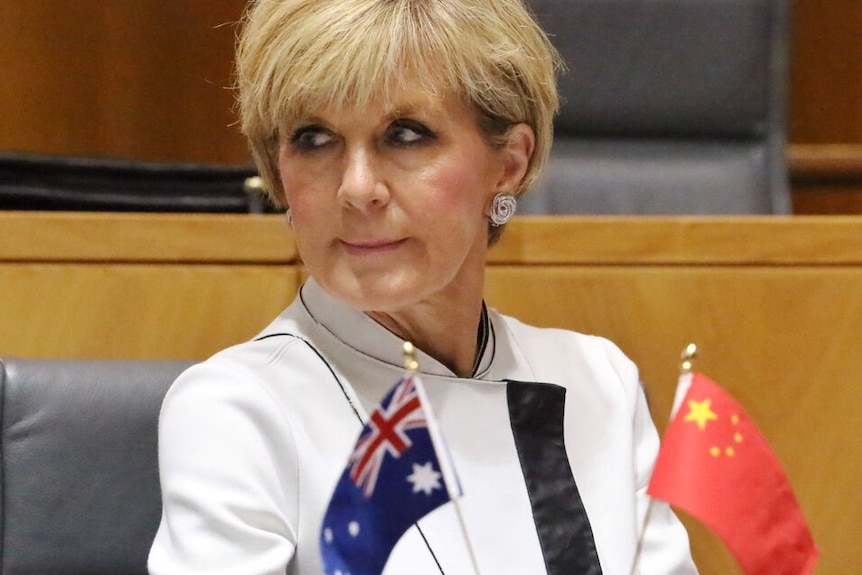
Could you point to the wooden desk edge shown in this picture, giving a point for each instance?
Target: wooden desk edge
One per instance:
(681, 240)
(537, 240)
(133, 238)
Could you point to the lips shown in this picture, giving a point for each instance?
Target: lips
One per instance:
(371, 246)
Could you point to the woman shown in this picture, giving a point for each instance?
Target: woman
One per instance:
(397, 134)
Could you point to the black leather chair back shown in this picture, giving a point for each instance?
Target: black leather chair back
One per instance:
(670, 106)
(79, 472)
(42, 182)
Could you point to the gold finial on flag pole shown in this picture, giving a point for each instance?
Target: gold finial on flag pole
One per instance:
(689, 354)
(409, 353)
(411, 365)
(686, 363)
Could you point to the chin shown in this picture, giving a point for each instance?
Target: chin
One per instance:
(379, 293)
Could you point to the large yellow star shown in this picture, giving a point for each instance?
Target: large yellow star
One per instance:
(700, 413)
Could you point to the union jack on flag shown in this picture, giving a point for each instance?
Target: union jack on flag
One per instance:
(393, 478)
(386, 434)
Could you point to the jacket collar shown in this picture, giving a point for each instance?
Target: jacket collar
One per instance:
(358, 331)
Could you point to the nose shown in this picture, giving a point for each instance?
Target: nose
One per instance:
(361, 185)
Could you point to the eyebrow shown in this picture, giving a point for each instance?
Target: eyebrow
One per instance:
(419, 107)
(413, 109)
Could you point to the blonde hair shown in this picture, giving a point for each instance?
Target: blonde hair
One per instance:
(296, 57)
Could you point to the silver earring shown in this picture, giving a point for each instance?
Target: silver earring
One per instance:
(503, 207)
(288, 217)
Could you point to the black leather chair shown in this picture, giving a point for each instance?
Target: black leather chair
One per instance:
(42, 182)
(670, 107)
(78, 473)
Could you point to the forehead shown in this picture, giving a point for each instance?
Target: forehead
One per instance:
(407, 98)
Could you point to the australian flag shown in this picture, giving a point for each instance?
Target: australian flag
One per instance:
(393, 478)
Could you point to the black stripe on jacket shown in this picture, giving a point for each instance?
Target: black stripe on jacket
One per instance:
(536, 413)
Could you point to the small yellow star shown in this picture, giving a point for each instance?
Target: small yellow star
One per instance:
(700, 413)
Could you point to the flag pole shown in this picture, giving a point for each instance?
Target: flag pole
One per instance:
(689, 354)
(686, 364)
(411, 365)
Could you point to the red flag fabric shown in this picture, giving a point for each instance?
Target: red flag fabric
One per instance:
(716, 466)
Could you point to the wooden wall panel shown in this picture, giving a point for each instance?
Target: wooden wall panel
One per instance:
(826, 72)
(826, 178)
(131, 311)
(146, 79)
(828, 199)
(825, 117)
(139, 285)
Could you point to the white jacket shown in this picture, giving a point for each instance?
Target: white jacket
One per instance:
(253, 440)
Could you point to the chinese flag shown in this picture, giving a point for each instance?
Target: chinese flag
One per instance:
(716, 466)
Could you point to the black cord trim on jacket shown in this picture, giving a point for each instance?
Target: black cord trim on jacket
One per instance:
(536, 412)
(326, 363)
(355, 411)
(431, 551)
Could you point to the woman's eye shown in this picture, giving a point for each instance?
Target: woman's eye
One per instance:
(406, 132)
(310, 138)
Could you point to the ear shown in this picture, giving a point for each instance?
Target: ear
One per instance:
(517, 152)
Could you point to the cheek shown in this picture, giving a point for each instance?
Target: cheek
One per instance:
(292, 188)
(458, 189)
(291, 177)
(301, 186)
(287, 175)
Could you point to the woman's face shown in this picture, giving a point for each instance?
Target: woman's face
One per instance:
(389, 201)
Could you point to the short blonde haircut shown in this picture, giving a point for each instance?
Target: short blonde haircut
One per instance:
(296, 57)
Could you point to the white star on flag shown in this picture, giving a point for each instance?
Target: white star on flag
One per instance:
(398, 472)
(424, 478)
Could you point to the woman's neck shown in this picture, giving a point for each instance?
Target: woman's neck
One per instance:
(448, 335)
